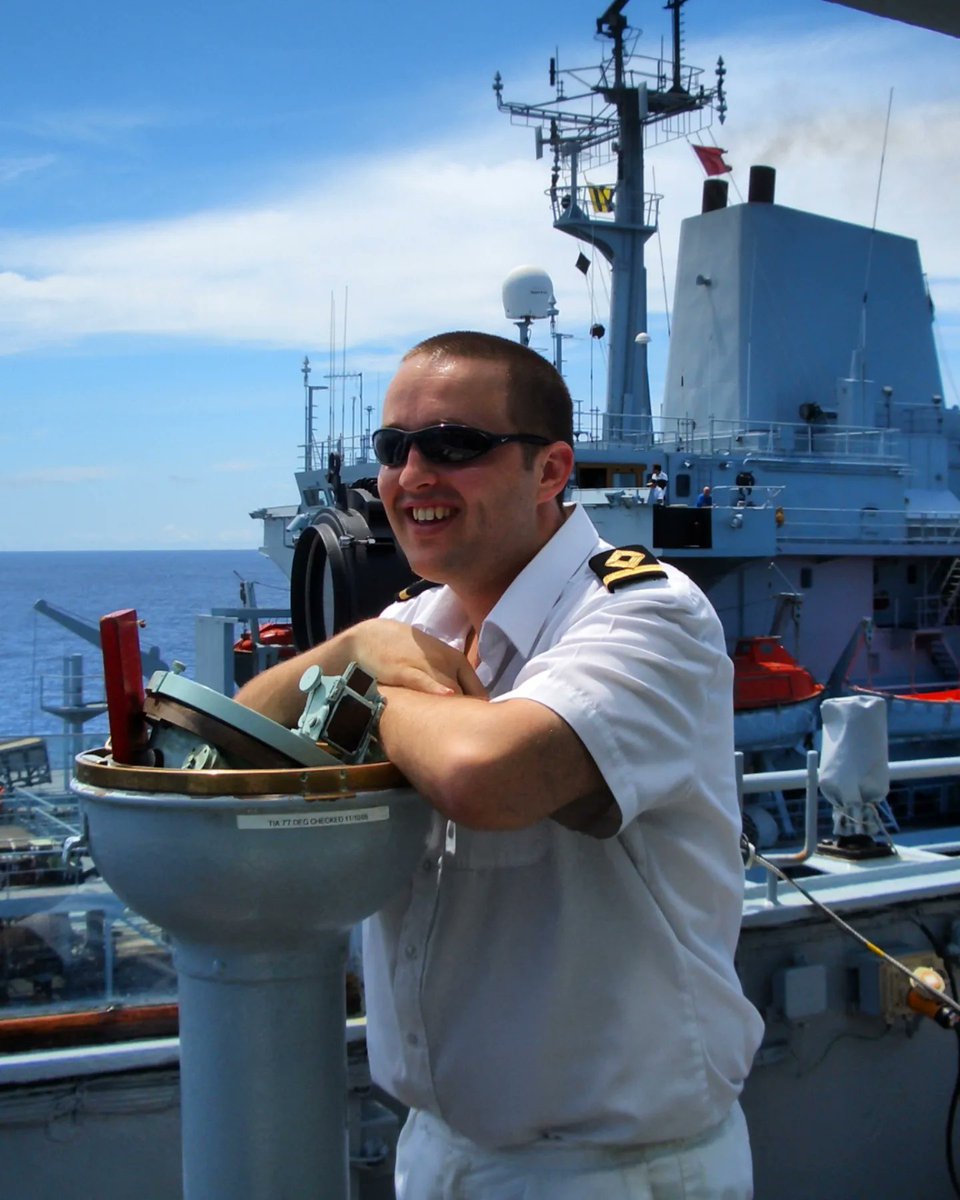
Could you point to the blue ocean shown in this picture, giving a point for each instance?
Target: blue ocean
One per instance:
(168, 588)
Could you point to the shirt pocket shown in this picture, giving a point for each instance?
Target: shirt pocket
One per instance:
(485, 850)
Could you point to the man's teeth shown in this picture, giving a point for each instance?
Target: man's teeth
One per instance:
(431, 514)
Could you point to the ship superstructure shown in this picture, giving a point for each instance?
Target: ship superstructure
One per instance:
(803, 390)
(600, 121)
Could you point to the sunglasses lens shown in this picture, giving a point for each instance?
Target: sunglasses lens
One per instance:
(438, 444)
(390, 447)
(452, 443)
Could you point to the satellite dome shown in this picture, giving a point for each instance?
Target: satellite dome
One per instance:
(528, 294)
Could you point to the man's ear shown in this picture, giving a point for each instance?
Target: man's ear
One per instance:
(555, 468)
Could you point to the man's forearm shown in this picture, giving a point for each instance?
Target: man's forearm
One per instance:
(393, 653)
(276, 692)
(487, 766)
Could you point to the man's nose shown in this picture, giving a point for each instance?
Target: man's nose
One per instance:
(417, 471)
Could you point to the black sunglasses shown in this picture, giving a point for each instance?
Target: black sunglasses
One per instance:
(444, 444)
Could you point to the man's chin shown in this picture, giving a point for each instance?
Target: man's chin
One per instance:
(426, 566)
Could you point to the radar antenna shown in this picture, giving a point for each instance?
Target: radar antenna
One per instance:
(608, 115)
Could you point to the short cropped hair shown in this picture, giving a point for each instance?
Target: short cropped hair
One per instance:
(538, 400)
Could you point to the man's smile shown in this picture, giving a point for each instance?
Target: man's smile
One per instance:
(428, 513)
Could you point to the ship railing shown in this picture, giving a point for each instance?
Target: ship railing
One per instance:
(68, 946)
(920, 418)
(934, 526)
(908, 688)
(734, 439)
(678, 107)
(936, 609)
(354, 450)
(599, 201)
(59, 751)
(81, 971)
(78, 698)
(72, 686)
(625, 494)
(806, 780)
(867, 524)
(34, 824)
(87, 951)
(595, 428)
(797, 439)
(756, 496)
(928, 611)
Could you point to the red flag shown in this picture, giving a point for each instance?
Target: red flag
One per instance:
(711, 159)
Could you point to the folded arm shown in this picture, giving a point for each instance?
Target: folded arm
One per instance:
(394, 654)
(490, 766)
(486, 766)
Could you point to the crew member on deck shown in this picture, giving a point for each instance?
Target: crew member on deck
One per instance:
(553, 993)
(657, 483)
(705, 499)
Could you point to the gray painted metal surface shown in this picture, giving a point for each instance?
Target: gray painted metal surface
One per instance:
(258, 895)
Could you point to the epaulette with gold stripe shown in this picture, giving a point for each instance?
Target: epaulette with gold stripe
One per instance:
(415, 589)
(627, 564)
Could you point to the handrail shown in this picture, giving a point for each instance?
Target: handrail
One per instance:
(808, 778)
(738, 436)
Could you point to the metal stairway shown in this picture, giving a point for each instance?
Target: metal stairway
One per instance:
(949, 592)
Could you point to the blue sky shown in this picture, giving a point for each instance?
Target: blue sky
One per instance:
(192, 196)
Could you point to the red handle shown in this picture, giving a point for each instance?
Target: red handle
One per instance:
(123, 677)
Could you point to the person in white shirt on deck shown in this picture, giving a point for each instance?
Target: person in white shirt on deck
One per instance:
(553, 994)
(657, 483)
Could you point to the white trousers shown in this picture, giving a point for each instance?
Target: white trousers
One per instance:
(435, 1163)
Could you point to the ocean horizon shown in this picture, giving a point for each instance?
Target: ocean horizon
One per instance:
(167, 588)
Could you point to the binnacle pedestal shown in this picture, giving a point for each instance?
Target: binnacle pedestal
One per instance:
(258, 887)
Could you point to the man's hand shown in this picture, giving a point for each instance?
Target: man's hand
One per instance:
(397, 655)
(393, 653)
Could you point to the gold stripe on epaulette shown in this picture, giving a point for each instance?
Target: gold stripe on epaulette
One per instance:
(415, 588)
(627, 563)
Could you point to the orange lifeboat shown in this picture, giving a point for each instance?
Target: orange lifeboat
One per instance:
(765, 674)
(272, 633)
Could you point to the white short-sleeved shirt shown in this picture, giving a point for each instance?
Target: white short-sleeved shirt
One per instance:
(544, 984)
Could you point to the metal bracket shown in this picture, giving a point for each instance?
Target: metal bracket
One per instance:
(341, 711)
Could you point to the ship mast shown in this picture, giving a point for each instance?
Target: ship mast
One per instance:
(614, 109)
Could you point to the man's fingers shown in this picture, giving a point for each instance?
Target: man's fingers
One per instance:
(470, 685)
(418, 680)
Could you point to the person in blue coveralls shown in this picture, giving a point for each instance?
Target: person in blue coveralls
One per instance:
(553, 994)
(705, 499)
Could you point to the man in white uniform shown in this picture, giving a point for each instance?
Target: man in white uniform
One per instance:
(657, 483)
(553, 994)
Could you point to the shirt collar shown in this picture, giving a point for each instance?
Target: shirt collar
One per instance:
(521, 610)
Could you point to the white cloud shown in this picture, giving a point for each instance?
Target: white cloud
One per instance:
(237, 466)
(409, 236)
(12, 168)
(45, 476)
(423, 239)
(93, 126)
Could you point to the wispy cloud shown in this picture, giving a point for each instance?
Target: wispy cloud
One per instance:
(89, 126)
(424, 238)
(236, 467)
(12, 168)
(46, 476)
(409, 235)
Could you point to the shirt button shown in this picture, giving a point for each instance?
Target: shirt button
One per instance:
(412, 1039)
(427, 865)
(411, 951)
